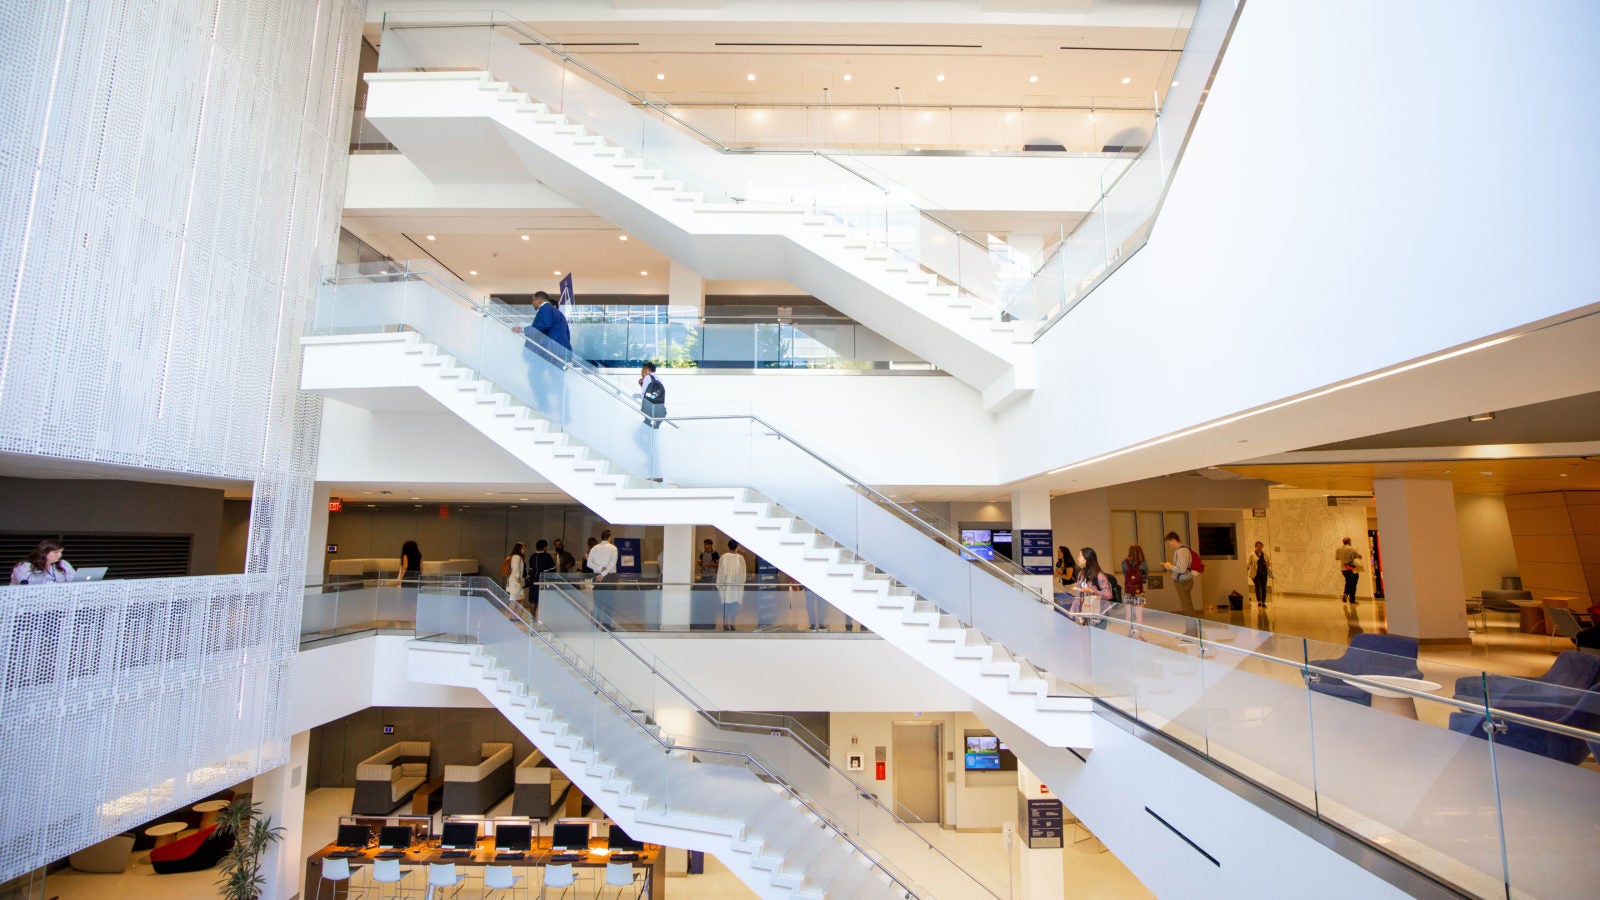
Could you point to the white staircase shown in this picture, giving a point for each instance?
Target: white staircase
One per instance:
(760, 831)
(834, 251)
(355, 365)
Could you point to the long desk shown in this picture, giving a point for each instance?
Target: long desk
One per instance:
(652, 859)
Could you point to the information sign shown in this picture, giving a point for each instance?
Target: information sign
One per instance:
(1038, 552)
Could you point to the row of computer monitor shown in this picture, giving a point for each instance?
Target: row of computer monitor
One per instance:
(464, 836)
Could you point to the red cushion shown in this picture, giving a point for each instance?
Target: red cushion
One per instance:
(181, 848)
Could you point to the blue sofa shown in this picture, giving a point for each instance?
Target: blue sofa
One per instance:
(1568, 694)
(1369, 654)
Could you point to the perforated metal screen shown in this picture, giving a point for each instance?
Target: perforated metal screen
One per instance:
(170, 182)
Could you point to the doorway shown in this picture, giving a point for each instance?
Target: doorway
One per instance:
(917, 791)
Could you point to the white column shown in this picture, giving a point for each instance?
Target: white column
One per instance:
(1421, 554)
(685, 287)
(1030, 509)
(317, 534)
(282, 795)
(677, 574)
(1044, 869)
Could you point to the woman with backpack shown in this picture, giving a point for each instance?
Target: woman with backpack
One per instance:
(515, 572)
(1135, 572)
(1092, 582)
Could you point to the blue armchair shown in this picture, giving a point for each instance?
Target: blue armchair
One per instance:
(1369, 654)
(1568, 694)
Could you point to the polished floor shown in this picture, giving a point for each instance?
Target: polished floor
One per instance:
(1092, 873)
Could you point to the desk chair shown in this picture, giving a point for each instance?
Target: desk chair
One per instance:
(1562, 622)
(335, 871)
(387, 871)
(499, 878)
(559, 875)
(443, 875)
(621, 875)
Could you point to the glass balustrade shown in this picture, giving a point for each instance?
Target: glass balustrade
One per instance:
(730, 154)
(667, 739)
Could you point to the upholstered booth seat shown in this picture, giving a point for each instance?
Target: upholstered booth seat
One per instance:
(1369, 654)
(389, 777)
(539, 787)
(474, 789)
(201, 850)
(1568, 694)
(109, 856)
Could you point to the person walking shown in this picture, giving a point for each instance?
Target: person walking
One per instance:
(516, 572)
(1092, 583)
(708, 562)
(653, 404)
(548, 347)
(541, 563)
(1183, 577)
(410, 564)
(43, 566)
(1135, 572)
(1346, 556)
(731, 574)
(1258, 569)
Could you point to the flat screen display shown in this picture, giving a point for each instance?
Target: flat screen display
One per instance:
(983, 753)
(459, 835)
(570, 836)
(619, 840)
(977, 543)
(354, 835)
(395, 837)
(513, 837)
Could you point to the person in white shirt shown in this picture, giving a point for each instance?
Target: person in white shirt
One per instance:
(730, 584)
(517, 574)
(603, 558)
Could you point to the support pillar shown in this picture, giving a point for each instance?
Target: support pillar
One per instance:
(317, 534)
(1041, 837)
(282, 795)
(1030, 510)
(677, 574)
(685, 287)
(1421, 555)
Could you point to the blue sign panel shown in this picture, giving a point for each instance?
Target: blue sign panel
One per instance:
(1038, 551)
(566, 291)
(628, 562)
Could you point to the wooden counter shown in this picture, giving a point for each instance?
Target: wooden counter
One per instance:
(652, 859)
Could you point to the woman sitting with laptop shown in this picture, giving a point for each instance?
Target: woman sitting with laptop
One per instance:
(43, 566)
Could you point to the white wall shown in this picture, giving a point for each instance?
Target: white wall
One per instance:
(1303, 533)
(981, 804)
(1348, 200)
(1487, 554)
(365, 445)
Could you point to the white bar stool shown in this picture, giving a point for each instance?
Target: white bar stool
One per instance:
(560, 875)
(387, 871)
(499, 878)
(620, 875)
(443, 875)
(334, 871)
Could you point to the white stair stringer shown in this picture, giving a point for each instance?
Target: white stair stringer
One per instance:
(943, 324)
(772, 843)
(986, 671)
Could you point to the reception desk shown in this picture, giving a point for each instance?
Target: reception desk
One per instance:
(652, 859)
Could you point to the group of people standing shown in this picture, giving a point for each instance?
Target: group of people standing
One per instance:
(523, 571)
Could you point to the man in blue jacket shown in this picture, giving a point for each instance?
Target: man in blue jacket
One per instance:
(549, 331)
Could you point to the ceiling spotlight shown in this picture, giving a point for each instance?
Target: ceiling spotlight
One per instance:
(847, 76)
(525, 237)
(750, 77)
(472, 271)
(1485, 473)
(1482, 417)
(1127, 81)
(938, 78)
(429, 237)
(1033, 79)
(622, 237)
(661, 76)
(642, 272)
(556, 272)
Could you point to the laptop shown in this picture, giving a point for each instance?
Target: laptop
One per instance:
(92, 573)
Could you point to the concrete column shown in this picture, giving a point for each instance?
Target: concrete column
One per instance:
(1043, 865)
(282, 795)
(1030, 508)
(677, 574)
(317, 534)
(1421, 555)
(685, 287)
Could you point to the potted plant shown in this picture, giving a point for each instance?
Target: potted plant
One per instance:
(252, 835)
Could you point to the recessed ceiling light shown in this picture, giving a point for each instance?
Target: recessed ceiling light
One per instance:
(1563, 474)
(750, 77)
(847, 76)
(1482, 417)
(1033, 79)
(1127, 80)
(661, 76)
(428, 236)
(525, 237)
(1486, 473)
(642, 272)
(556, 272)
(472, 271)
(916, 149)
(622, 237)
(938, 78)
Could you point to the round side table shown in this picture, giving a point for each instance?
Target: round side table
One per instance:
(165, 833)
(1397, 702)
(209, 811)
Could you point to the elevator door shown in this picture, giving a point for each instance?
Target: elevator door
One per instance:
(916, 769)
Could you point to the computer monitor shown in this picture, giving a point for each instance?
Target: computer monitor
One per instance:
(395, 837)
(620, 840)
(570, 836)
(353, 835)
(459, 835)
(513, 837)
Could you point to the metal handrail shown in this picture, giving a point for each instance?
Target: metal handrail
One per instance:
(610, 693)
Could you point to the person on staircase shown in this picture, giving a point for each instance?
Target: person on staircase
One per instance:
(515, 570)
(548, 348)
(653, 404)
(541, 563)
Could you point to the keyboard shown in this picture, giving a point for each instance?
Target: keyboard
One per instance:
(456, 854)
(391, 854)
(344, 854)
(624, 857)
(502, 856)
(566, 857)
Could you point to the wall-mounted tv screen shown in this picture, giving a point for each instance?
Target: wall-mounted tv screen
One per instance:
(977, 543)
(1218, 541)
(987, 753)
